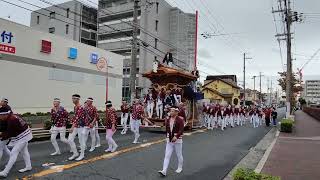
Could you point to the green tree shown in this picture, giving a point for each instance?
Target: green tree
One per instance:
(295, 85)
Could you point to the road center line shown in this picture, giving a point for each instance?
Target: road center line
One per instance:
(94, 159)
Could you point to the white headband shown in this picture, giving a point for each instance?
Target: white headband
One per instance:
(176, 109)
(4, 113)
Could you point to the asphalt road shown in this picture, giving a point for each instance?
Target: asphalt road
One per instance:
(207, 155)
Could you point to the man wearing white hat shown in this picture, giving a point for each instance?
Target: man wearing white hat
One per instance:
(18, 134)
(59, 118)
(111, 123)
(78, 124)
(92, 116)
(3, 144)
(124, 116)
(174, 131)
(137, 116)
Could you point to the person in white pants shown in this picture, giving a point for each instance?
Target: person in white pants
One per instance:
(78, 124)
(137, 115)
(214, 117)
(160, 102)
(91, 117)
(224, 115)
(149, 101)
(255, 118)
(209, 119)
(174, 131)
(111, 121)
(18, 133)
(4, 149)
(232, 117)
(3, 144)
(59, 117)
(124, 117)
(98, 142)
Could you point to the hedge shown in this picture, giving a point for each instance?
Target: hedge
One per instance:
(286, 125)
(312, 111)
(249, 174)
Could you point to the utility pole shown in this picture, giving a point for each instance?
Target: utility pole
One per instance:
(260, 98)
(271, 92)
(289, 60)
(244, 77)
(268, 91)
(289, 18)
(134, 51)
(254, 87)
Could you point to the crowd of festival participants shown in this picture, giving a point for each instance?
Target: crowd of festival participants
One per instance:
(15, 132)
(223, 116)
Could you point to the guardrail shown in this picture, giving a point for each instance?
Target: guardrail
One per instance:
(39, 133)
(312, 111)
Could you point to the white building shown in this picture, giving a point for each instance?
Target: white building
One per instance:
(36, 67)
(162, 28)
(72, 19)
(312, 91)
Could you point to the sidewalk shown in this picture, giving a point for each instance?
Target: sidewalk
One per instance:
(296, 156)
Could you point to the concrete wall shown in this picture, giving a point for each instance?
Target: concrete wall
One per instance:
(31, 79)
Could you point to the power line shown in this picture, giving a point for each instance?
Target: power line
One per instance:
(118, 30)
(79, 26)
(142, 29)
(279, 42)
(219, 24)
(112, 13)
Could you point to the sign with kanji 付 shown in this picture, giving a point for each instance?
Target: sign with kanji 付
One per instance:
(5, 39)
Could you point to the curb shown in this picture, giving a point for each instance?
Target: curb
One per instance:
(266, 154)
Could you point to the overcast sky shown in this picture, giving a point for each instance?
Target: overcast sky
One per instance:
(254, 30)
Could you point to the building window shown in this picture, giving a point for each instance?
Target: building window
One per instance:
(157, 22)
(126, 71)
(38, 19)
(156, 43)
(52, 15)
(52, 30)
(67, 29)
(157, 7)
(155, 58)
(68, 10)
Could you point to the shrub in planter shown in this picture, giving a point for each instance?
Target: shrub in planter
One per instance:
(27, 114)
(47, 124)
(39, 113)
(286, 125)
(248, 174)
